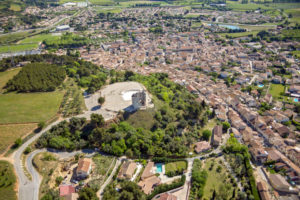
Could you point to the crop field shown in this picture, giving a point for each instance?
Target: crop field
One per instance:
(102, 2)
(5, 76)
(8, 181)
(9, 133)
(244, 7)
(241, 34)
(132, 3)
(29, 107)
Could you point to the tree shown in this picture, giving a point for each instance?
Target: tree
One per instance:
(18, 142)
(97, 120)
(41, 125)
(226, 126)
(206, 134)
(58, 180)
(87, 193)
(101, 100)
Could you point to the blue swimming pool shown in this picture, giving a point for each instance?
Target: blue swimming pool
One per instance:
(158, 167)
(261, 85)
(227, 26)
(296, 99)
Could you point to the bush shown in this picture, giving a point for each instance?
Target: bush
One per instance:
(18, 142)
(58, 180)
(27, 150)
(101, 100)
(41, 125)
(206, 134)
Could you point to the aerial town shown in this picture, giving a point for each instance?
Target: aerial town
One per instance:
(142, 100)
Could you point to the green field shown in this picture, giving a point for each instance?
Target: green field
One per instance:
(18, 47)
(276, 89)
(8, 181)
(15, 7)
(295, 12)
(234, 5)
(142, 119)
(175, 166)
(242, 34)
(39, 38)
(29, 107)
(102, 2)
(5, 76)
(216, 180)
(9, 133)
(132, 3)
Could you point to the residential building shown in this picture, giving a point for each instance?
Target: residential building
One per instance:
(84, 167)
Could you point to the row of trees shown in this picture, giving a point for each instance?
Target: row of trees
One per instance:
(37, 77)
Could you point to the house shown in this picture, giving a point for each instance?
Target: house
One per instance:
(283, 131)
(216, 136)
(127, 170)
(277, 79)
(294, 89)
(279, 183)
(147, 185)
(65, 190)
(84, 167)
(259, 154)
(165, 196)
(263, 190)
(148, 171)
(202, 146)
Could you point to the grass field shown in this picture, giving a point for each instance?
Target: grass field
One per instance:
(175, 166)
(234, 5)
(292, 33)
(9, 134)
(215, 180)
(29, 107)
(15, 7)
(18, 47)
(39, 38)
(5, 76)
(295, 12)
(7, 180)
(132, 3)
(276, 89)
(242, 34)
(13, 37)
(102, 2)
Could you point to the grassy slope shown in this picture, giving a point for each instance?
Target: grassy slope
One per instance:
(8, 192)
(9, 134)
(5, 76)
(30, 107)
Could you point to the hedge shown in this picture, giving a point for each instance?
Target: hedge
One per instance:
(166, 160)
(167, 187)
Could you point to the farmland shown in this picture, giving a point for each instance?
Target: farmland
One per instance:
(9, 133)
(20, 107)
(5, 76)
(7, 180)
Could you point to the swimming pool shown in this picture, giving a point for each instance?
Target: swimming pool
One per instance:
(296, 99)
(261, 85)
(159, 167)
(232, 27)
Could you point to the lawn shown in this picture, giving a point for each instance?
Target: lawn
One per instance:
(216, 180)
(175, 166)
(7, 180)
(276, 89)
(29, 107)
(9, 133)
(5, 76)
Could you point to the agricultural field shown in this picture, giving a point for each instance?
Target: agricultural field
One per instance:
(29, 107)
(234, 5)
(241, 34)
(292, 33)
(7, 181)
(18, 47)
(102, 2)
(14, 37)
(132, 3)
(5, 76)
(38, 38)
(217, 179)
(9, 133)
(15, 7)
